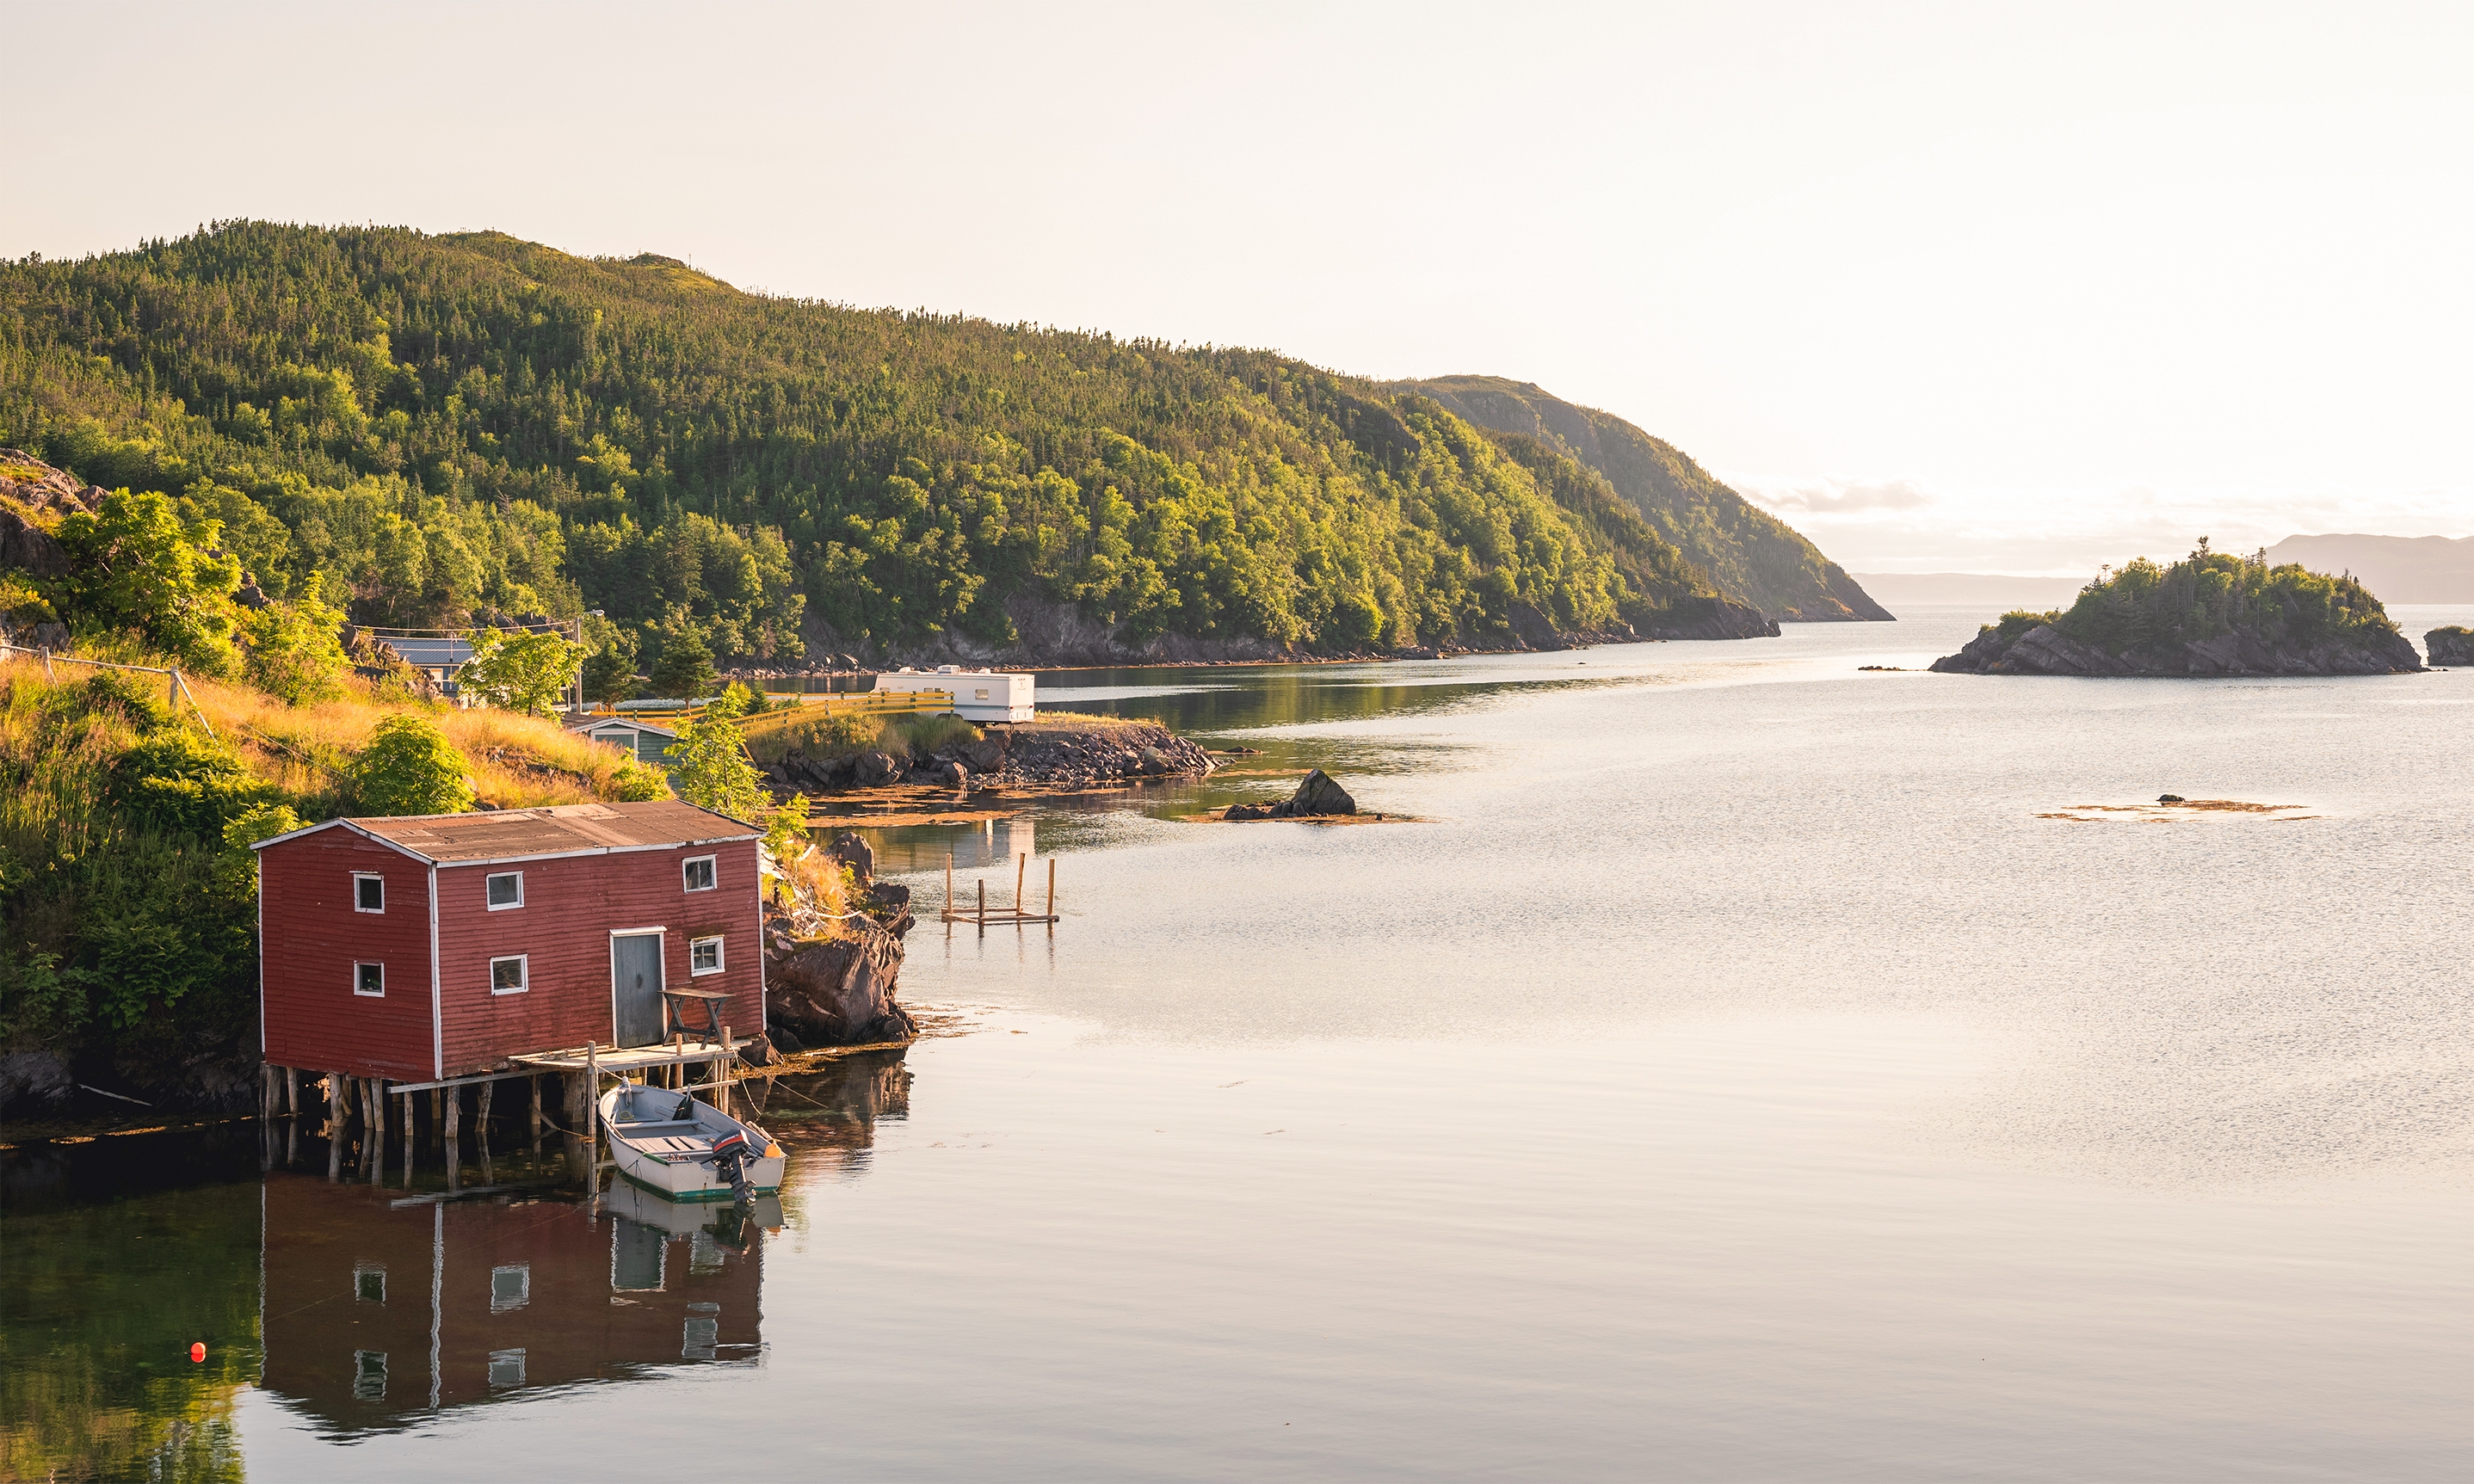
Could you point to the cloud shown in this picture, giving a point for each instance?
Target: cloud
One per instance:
(1834, 496)
(1905, 525)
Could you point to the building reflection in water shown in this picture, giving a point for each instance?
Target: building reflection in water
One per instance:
(380, 1306)
(907, 849)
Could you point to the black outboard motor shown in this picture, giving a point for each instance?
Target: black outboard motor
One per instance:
(730, 1157)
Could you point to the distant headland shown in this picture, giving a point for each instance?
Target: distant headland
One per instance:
(2209, 615)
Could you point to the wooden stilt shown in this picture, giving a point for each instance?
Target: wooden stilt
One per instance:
(1049, 911)
(405, 1098)
(535, 1080)
(292, 1090)
(593, 1108)
(983, 904)
(266, 1094)
(437, 1110)
(1021, 865)
(454, 1114)
(334, 1125)
(721, 1079)
(481, 1118)
(373, 1112)
(949, 886)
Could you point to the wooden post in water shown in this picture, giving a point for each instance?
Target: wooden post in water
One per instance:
(454, 1117)
(266, 1096)
(437, 1109)
(405, 1098)
(983, 904)
(535, 1080)
(334, 1125)
(948, 913)
(292, 1090)
(720, 1079)
(481, 1120)
(1021, 866)
(373, 1112)
(593, 1109)
(1050, 909)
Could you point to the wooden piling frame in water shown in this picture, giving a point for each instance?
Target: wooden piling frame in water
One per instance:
(1018, 915)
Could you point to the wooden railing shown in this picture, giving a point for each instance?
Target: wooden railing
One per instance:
(866, 702)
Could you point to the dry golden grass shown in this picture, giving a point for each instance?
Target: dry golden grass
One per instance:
(518, 761)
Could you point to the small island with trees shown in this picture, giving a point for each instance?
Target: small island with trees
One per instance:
(2210, 615)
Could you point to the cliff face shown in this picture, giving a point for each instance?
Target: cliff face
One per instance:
(1744, 549)
(2044, 650)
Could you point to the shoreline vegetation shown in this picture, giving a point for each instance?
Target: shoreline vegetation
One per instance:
(2210, 615)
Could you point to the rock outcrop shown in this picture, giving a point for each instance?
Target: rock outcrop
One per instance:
(1318, 795)
(1712, 618)
(839, 991)
(1034, 756)
(2043, 650)
(2452, 646)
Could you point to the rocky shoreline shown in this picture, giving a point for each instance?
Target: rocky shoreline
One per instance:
(2043, 650)
(1035, 756)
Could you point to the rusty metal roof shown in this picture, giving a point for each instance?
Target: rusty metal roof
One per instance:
(560, 829)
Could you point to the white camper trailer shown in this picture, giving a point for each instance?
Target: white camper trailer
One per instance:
(979, 695)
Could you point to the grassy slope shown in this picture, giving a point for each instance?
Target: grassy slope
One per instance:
(1743, 548)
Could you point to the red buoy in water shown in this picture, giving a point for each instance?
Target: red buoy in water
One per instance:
(197, 1352)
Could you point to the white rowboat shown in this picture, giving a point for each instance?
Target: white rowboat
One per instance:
(664, 1140)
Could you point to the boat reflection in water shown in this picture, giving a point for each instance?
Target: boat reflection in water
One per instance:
(379, 1308)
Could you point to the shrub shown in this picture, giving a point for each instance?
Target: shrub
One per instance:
(410, 768)
(293, 653)
(633, 782)
(133, 571)
(179, 783)
(520, 672)
(710, 767)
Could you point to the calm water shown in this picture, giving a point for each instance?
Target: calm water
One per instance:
(1725, 1075)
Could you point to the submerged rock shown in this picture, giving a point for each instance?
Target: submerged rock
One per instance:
(1318, 795)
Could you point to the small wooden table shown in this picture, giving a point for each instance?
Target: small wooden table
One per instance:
(675, 1012)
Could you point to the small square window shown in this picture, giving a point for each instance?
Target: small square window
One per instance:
(698, 873)
(506, 1368)
(369, 978)
(704, 956)
(508, 975)
(505, 889)
(368, 893)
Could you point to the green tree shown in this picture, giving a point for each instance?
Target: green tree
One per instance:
(135, 570)
(710, 766)
(410, 768)
(292, 650)
(520, 672)
(684, 671)
(610, 670)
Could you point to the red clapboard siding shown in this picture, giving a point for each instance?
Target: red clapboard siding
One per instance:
(312, 937)
(572, 906)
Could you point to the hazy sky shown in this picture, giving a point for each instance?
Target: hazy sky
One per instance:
(1983, 287)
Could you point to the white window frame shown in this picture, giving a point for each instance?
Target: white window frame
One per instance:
(359, 876)
(523, 972)
(712, 862)
(693, 944)
(378, 994)
(500, 876)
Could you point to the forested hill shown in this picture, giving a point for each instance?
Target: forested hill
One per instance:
(429, 428)
(1744, 549)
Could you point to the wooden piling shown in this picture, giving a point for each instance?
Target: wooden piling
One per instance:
(292, 1090)
(983, 904)
(535, 1080)
(266, 1096)
(334, 1126)
(481, 1118)
(593, 1109)
(405, 1098)
(1021, 866)
(455, 1115)
(1049, 911)
(721, 1080)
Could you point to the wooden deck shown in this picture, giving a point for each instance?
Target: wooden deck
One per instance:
(631, 1059)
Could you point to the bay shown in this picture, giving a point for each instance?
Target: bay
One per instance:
(1727, 1069)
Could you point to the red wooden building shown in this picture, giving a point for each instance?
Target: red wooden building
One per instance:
(437, 946)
